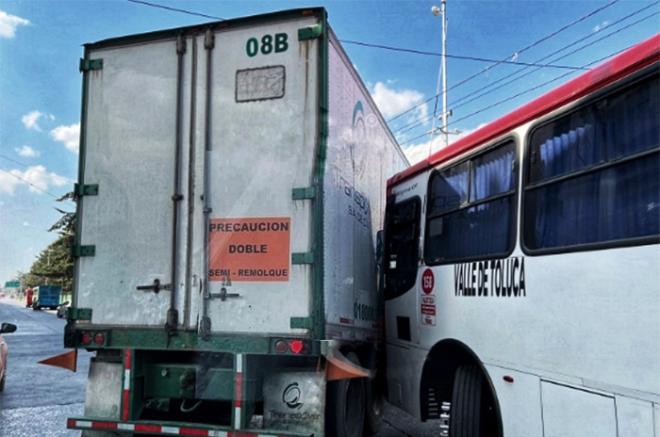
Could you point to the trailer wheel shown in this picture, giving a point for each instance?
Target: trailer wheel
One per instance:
(374, 405)
(466, 403)
(346, 406)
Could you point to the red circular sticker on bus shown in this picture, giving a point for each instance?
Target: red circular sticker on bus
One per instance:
(427, 281)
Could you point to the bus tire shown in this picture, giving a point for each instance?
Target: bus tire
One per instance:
(346, 401)
(466, 402)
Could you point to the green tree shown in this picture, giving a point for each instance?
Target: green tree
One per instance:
(54, 265)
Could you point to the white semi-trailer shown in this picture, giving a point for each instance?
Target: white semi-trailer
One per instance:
(232, 180)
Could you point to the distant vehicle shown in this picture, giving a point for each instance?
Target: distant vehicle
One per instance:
(29, 294)
(6, 328)
(46, 296)
(520, 298)
(61, 310)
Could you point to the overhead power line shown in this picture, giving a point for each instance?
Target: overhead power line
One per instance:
(29, 183)
(516, 76)
(507, 99)
(467, 58)
(524, 49)
(169, 8)
(456, 104)
(14, 161)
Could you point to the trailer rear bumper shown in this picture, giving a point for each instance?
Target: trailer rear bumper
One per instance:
(170, 428)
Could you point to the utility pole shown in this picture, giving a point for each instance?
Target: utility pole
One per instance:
(445, 114)
(442, 75)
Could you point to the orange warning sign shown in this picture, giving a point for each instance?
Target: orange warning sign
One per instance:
(249, 249)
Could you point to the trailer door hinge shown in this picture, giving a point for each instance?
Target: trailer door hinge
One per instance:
(91, 64)
(301, 323)
(79, 313)
(85, 189)
(303, 193)
(302, 258)
(310, 32)
(80, 250)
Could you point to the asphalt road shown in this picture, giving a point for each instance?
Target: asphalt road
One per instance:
(38, 399)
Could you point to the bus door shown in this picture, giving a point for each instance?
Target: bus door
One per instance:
(401, 260)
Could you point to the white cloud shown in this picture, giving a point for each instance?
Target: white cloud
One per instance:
(27, 151)
(67, 135)
(31, 119)
(9, 23)
(26, 223)
(37, 178)
(392, 102)
(599, 27)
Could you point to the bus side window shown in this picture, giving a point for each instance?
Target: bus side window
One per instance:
(401, 246)
(594, 181)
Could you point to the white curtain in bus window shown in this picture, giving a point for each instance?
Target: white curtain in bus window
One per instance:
(594, 174)
(471, 208)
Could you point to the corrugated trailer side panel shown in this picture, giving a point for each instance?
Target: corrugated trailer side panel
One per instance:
(362, 153)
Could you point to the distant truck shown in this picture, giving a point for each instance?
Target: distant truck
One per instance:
(46, 296)
(231, 182)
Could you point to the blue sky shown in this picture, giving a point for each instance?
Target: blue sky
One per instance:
(40, 44)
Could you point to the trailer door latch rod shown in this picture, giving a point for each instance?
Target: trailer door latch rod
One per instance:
(155, 287)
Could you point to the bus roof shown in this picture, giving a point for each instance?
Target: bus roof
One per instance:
(633, 59)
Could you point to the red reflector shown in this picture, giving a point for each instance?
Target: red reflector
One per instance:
(99, 338)
(296, 346)
(86, 338)
(280, 346)
(192, 431)
(70, 423)
(104, 425)
(141, 427)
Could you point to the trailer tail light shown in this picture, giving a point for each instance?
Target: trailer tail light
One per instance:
(296, 346)
(290, 346)
(99, 339)
(281, 346)
(86, 338)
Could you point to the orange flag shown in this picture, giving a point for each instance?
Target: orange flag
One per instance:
(67, 360)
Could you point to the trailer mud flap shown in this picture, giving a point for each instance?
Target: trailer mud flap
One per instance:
(295, 401)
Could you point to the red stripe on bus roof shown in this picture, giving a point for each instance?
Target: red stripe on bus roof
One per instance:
(633, 59)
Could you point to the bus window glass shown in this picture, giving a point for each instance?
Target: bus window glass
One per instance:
(450, 189)
(609, 190)
(481, 226)
(401, 246)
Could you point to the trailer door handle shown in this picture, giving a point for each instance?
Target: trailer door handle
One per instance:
(223, 295)
(155, 287)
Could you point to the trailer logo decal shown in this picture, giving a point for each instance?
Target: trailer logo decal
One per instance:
(255, 249)
(292, 396)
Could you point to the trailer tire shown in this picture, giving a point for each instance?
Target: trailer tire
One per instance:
(466, 402)
(373, 421)
(346, 406)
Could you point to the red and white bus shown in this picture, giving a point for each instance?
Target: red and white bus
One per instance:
(522, 266)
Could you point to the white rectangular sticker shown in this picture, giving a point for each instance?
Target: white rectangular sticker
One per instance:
(260, 83)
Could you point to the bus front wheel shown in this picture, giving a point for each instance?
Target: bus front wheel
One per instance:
(466, 403)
